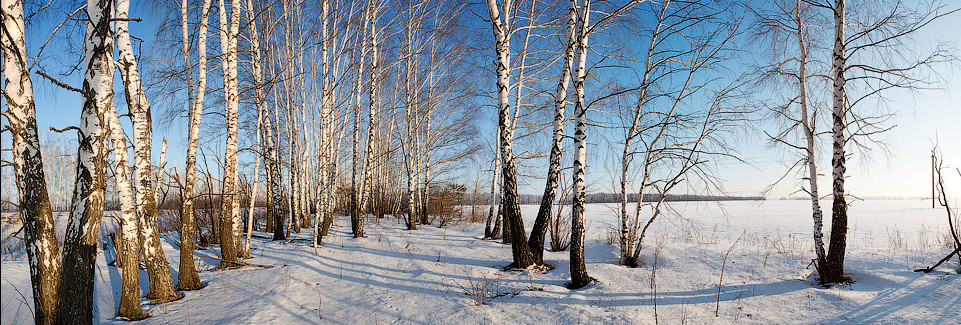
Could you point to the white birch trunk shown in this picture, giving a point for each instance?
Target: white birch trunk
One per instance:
(512, 217)
(630, 240)
(579, 276)
(536, 242)
(325, 105)
(258, 102)
(161, 281)
(187, 277)
(356, 219)
(230, 204)
(808, 122)
(409, 142)
(83, 227)
(43, 253)
(834, 265)
(369, 155)
(128, 259)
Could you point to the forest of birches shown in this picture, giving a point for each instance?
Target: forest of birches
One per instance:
(430, 112)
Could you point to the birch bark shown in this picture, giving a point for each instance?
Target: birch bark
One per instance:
(834, 264)
(579, 276)
(255, 62)
(43, 253)
(521, 252)
(83, 226)
(536, 242)
(356, 219)
(129, 250)
(369, 155)
(187, 277)
(808, 122)
(161, 281)
(230, 202)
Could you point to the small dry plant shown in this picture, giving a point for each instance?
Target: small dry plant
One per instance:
(482, 292)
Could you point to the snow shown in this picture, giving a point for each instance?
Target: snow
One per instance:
(416, 277)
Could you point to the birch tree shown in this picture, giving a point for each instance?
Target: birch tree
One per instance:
(673, 126)
(833, 269)
(43, 253)
(408, 145)
(371, 187)
(256, 60)
(501, 26)
(129, 256)
(356, 219)
(790, 23)
(536, 242)
(230, 203)
(579, 276)
(866, 64)
(161, 280)
(188, 279)
(83, 226)
(325, 107)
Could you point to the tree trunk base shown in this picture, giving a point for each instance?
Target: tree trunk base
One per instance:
(629, 261)
(829, 282)
(134, 317)
(574, 285)
(535, 268)
(191, 287)
(177, 296)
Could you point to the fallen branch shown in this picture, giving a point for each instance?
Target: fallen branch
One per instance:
(241, 263)
(945, 259)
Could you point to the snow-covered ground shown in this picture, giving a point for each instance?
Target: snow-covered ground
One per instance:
(451, 276)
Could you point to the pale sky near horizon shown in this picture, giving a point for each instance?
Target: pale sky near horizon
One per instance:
(904, 171)
(921, 119)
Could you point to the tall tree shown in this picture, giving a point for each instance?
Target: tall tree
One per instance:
(371, 187)
(325, 107)
(356, 219)
(833, 269)
(256, 59)
(511, 205)
(230, 204)
(188, 279)
(536, 242)
(161, 280)
(579, 276)
(43, 253)
(83, 227)
(408, 144)
(129, 257)
(788, 23)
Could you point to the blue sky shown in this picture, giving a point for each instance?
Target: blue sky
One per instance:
(903, 171)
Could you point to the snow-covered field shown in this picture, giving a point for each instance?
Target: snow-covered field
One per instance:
(451, 276)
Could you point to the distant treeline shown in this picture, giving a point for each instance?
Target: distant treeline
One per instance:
(616, 198)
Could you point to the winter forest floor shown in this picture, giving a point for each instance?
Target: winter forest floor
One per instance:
(451, 276)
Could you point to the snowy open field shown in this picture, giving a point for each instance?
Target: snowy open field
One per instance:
(420, 277)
